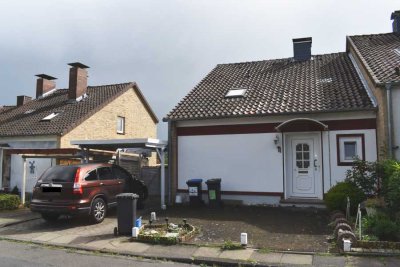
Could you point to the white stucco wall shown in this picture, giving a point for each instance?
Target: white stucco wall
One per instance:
(396, 120)
(244, 162)
(41, 165)
(338, 173)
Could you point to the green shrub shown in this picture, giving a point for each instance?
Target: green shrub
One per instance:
(389, 167)
(366, 176)
(392, 194)
(15, 190)
(336, 198)
(9, 202)
(382, 227)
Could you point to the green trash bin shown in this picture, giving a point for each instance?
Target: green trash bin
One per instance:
(214, 192)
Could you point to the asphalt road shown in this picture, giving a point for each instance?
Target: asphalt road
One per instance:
(22, 254)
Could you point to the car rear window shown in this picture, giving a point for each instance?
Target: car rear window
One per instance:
(59, 174)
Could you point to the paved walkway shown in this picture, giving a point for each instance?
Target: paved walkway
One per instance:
(80, 235)
(17, 216)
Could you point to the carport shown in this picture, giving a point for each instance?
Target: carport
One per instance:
(51, 153)
(149, 144)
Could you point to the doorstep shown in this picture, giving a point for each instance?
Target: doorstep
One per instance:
(303, 202)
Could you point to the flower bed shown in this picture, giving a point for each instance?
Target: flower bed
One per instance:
(161, 234)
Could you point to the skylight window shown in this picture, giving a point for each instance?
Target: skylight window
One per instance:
(29, 111)
(51, 116)
(236, 92)
(325, 80)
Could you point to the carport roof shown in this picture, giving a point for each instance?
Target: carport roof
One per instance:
(114, 144)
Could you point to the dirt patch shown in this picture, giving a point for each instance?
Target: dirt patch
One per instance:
(278, 228)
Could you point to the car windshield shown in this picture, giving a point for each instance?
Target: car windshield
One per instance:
(59, 174)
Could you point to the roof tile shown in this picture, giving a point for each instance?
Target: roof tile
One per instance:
(325, 83)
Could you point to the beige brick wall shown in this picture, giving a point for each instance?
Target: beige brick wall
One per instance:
(103, 124)
(381, 116)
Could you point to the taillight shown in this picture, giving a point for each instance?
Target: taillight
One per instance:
(77, 184)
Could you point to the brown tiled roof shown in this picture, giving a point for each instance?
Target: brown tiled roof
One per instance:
(377, 51)
(6, 108)
(27, 119)
(324, 84)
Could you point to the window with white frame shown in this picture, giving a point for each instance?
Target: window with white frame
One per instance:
(120, 125)
(349, 148)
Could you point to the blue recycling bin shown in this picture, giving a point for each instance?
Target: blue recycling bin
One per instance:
(195, 191)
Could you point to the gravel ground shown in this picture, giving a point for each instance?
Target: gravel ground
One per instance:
(277, 228)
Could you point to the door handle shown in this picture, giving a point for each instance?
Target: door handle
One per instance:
(315, 165)
(119, 182)
(101, 183)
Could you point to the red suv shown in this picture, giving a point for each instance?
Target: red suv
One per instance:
(83, 189)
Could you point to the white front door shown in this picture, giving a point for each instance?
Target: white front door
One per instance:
(303, 170)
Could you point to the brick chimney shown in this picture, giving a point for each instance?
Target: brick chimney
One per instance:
(396, 21)
(302, 48)
(22, 100)
(44, 84)
(77, 80)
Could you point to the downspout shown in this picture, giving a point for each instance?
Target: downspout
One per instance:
(169, 163)
(388, 87)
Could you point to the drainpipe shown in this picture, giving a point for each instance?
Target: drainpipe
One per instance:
(169, 163)
(388, 87)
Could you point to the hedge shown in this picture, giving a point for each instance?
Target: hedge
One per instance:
(9, 202)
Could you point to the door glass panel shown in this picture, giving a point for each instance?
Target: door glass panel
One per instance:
(299, 164)
(302, 156)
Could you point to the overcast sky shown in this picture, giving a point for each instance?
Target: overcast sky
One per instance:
(166, 46)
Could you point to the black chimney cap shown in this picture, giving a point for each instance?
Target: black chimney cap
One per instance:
(78, 65)
(302, 40)
(45, 76)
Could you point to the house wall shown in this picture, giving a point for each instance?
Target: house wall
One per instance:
(380, 96)
(250, 165)
(16, 170)
(335, 173)
(246, 163)
(396, 121)
(103, 124)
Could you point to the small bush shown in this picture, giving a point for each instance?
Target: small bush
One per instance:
(9, 202)
(15, 191)
(336, 198)
(382, 227)
(366, 176)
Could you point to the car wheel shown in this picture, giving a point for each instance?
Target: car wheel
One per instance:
(50, 217)
(99, 210)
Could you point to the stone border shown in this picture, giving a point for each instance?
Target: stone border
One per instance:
(163, 239)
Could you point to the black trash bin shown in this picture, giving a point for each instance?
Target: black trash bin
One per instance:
(126, 213)
(214, 192)
(195, 194)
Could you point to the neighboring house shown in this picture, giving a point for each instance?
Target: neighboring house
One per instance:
(58, 116)
(275, 131)
(378, 59)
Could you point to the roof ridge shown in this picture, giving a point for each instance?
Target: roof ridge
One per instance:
(276, 59)
(372, 34)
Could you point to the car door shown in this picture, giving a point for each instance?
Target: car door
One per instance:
(108, 183)
(124, 178)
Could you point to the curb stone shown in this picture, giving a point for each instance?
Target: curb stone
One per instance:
(189, 259)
